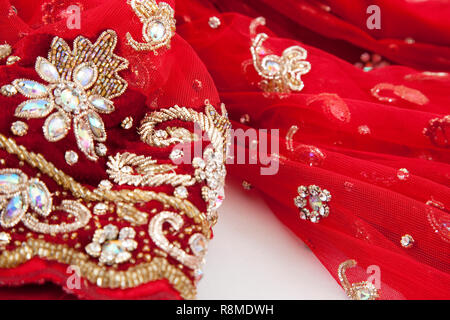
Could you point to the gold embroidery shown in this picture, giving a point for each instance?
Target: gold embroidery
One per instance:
(158, 25)
(102, 276)
(197, 241)
(123, 196)
(357, 291)
(131, 169)
(280, 74)
(211, 168)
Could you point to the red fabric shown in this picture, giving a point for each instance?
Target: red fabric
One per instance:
(371, 208)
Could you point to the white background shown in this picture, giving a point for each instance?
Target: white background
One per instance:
(254, 256)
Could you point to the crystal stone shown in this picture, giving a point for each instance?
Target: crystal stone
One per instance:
(85, 75)
(272, 66)
(220, 197)
(47, 70)
(38, 196)
(315, 202)
(71, 157)
(19, 128)
(101, 104)
(9, 182)
(70, 100)
(364, 293)
(34, 108)
(198, 244)
(157, 31)
(14, 208)
(96, 124)
(85, 141)
(56, 127)
(32, 88)
(113, 247)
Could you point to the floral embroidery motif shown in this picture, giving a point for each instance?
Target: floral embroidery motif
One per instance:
(280, 74)
(18, 193)
(80, 85)
(159, 25)
(357, 291)
(112, 246)
(318, 202)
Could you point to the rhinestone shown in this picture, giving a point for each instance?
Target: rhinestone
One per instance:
(100, 208)
(39, 197)
(94, 249)
(47, 70)
(157, 31)
(220, 197)
(30, 88)
(181, 192)
(214, 22)
(14, 209)
(71, 157)
(70, 100)
(364, 293)
(403, 174)
(9, 182)
(299, 202)
(85, 141)
(112, 248)
(272, 66)
(19, 128)
(101, 104)
(8, 90)
(85, 75)
(407, 241)
(34, 108)
(101, 149)
(56, 126)
(198, 244)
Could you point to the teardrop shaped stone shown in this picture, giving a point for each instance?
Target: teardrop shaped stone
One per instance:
(31, 89)
(9, 182)
(56, 127)
(85, 141)
(101, 104)
(199, 245)
(38, 196)
(37, 108)
(47, 71)
(14, 209)
(96, 124)
(84, 75)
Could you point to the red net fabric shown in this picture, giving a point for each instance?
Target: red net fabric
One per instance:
(348, 141)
